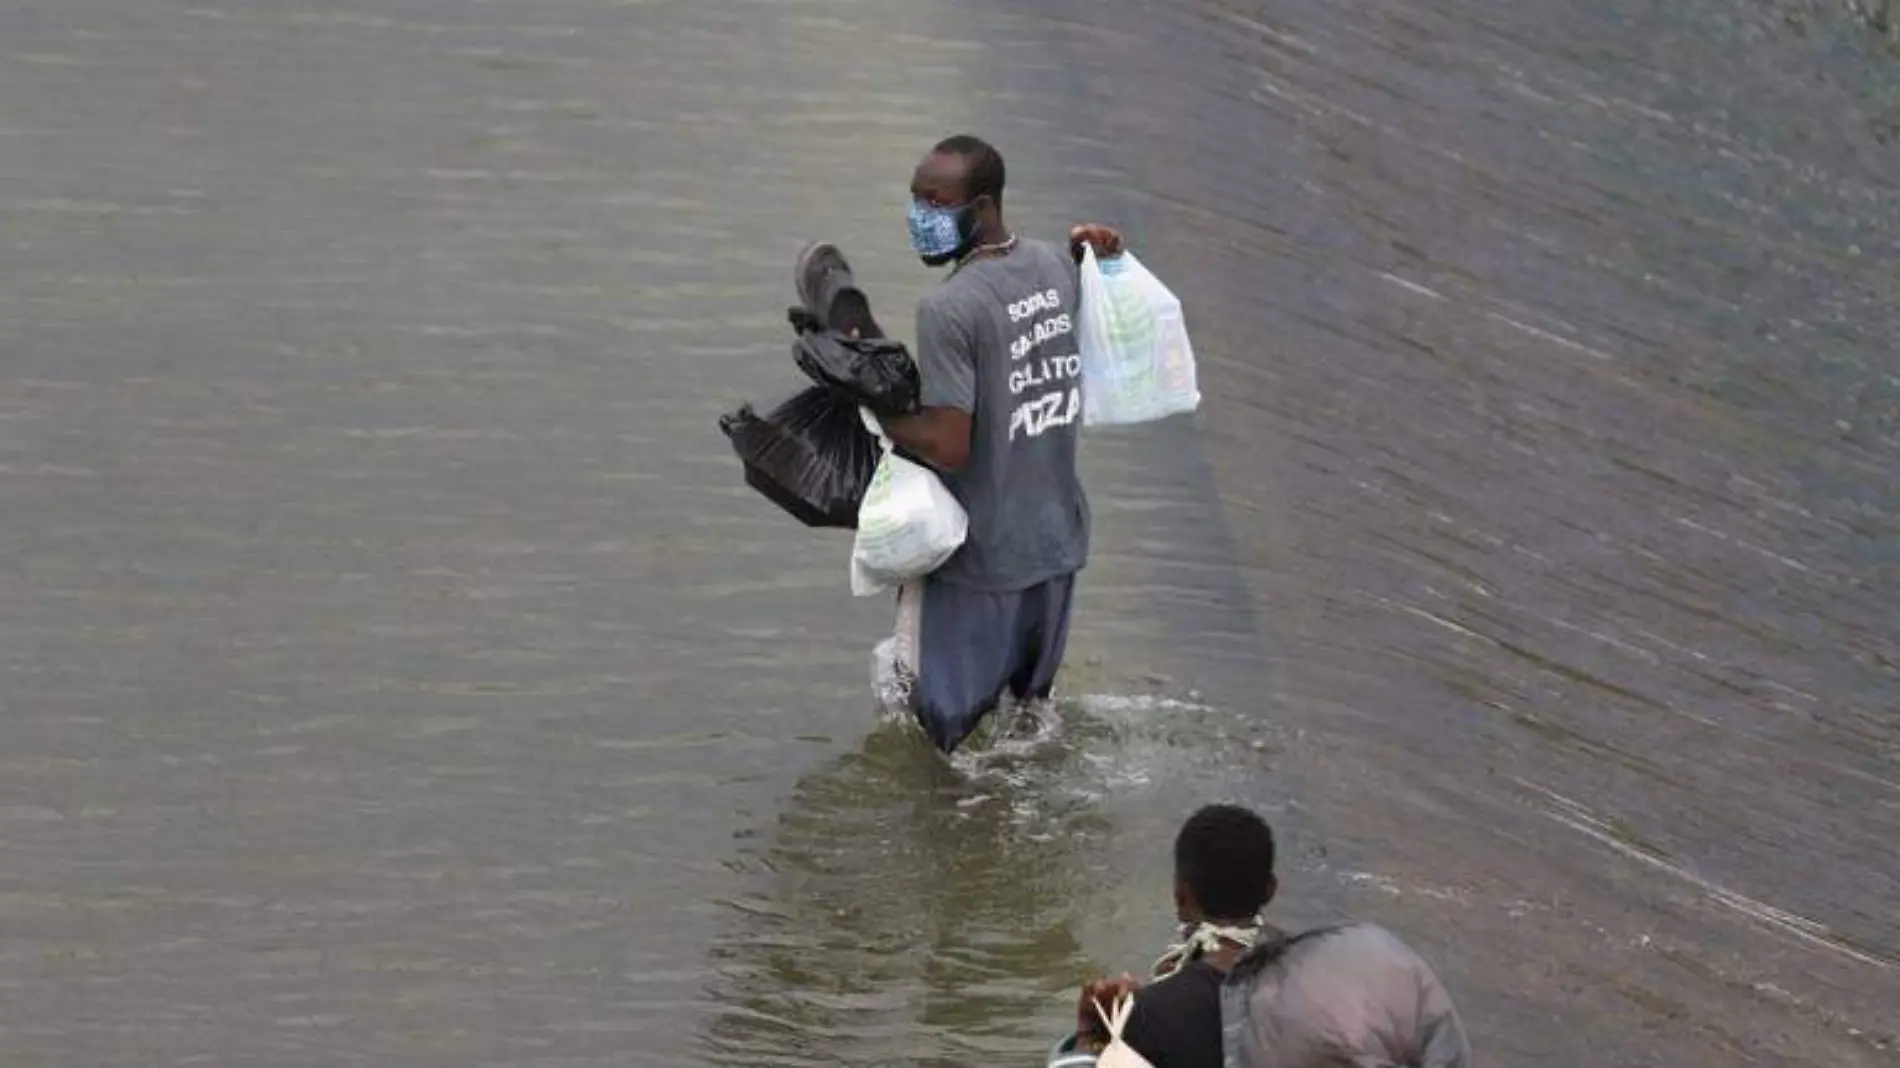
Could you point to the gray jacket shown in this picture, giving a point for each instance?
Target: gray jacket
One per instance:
(1340, 997)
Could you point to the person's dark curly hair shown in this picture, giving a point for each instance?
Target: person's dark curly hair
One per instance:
(1223, 857)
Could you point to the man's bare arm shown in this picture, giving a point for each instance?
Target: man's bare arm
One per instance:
(938, 436)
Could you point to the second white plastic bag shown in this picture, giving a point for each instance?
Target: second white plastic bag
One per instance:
(1118, 1054)
(1137, 362)
(908, 524)
(894, 660)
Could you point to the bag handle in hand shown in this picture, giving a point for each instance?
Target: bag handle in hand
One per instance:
(1124, 1007)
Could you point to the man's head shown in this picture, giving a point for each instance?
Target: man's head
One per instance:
(956, 199)
(1223, 866)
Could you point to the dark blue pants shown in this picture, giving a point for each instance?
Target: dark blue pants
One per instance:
(976, 644)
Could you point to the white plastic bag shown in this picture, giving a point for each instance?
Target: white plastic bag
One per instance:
(894, 660)
(1118, 1054)
(908, 523)
(1137, 362)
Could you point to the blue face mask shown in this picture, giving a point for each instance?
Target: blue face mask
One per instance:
(940, 234)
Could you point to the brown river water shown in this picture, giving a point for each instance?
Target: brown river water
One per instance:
(395, 671)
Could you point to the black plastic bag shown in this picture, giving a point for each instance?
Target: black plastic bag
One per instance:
(810, 455)
(877, 373)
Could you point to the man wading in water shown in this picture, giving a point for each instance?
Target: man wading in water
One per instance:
(1001, 393)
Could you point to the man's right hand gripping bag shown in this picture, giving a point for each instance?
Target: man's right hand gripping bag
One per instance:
(1137, 363)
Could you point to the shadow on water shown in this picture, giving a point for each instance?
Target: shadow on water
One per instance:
(900, 895)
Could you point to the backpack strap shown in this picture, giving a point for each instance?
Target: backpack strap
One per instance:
(1239, 983)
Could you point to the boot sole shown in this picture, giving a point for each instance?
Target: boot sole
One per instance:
(801, 269)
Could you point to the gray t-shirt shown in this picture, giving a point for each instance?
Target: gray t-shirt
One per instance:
(997, 340)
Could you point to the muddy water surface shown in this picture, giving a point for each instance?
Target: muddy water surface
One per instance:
(397, 672)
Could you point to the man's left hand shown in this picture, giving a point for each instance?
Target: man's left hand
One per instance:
(1105, 240)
